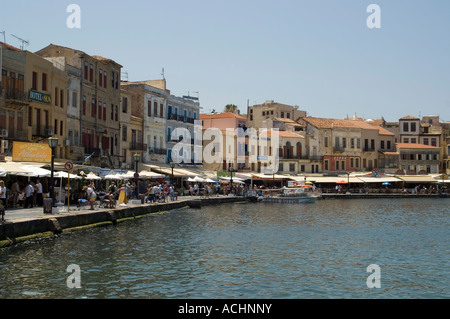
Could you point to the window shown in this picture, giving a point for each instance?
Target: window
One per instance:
(352, 162)
(337, 165)
(357, 162)
(405, 140)
(84, 105)
(105, 78)
(343, 165)
(344, 142)
(292, 167)
(352, 143)
(44, 81)
(93, 103)
(433, 142)
(405, 127)
(34, 81)
(74, 99)
(413, 140)
(61, 98)
(61, 128)
(124, 105)
(358, 143)
(280, 167)
(413, 126)
(282, 115)
(372, 145)
(116, 114)
(100, 77)
(425, 141)
(155, 109)
(91, 73)
(56, 96)
(388, 145)
(19, 121)
(149, 108)
(124, 133)
(86, 70)
(112, 79)
(56, 126)
(325, 164)
(104, 111)
(325, 141)
(264, 113)
(99, 110)
(382, 145)
(288, 115)
(161, 110)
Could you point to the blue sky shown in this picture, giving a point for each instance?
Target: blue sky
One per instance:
(317, 54)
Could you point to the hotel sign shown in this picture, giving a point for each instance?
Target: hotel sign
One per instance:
(31, 152)
(40, 97)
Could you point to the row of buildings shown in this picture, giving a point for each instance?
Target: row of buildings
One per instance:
(80, 99)
(311, 145)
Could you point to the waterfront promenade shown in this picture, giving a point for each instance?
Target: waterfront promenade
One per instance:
(25, 223)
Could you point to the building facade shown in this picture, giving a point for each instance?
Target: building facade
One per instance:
(99, 98)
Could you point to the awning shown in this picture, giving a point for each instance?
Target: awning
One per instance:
(379, 179)
(418, 179)
(269, 176)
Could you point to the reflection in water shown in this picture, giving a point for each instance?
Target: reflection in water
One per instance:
(317, 250)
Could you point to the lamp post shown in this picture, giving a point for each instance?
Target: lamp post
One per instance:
(231, 170)
(172, 165)
(53, 143)
(137, 158)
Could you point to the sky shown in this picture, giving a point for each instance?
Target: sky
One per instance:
(317, 54)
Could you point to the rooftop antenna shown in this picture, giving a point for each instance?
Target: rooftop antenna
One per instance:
(4, 36)
(163, 74)
(124, 76)
(22, 40)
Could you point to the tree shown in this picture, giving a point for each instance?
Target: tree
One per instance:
(231, 108)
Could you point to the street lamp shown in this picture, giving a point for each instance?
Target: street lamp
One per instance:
(53, 143)
(231, 170)
(137, 158)
(172, 165)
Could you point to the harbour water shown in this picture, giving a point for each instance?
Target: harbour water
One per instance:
(246, 250)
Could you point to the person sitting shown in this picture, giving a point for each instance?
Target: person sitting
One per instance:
(110, 200)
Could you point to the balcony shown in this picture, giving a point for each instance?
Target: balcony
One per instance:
(14, 96)
(368, 149)
(43, 131)
(338, 149)
(157, 151)
(137, 146)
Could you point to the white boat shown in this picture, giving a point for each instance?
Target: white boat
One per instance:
(290, 196)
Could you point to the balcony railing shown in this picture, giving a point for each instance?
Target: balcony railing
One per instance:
(14, 95)
(339, 149)
(368, 149)
(138, 147)
(158, 151)
(43, 131)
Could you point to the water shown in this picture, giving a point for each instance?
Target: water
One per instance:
(319, 250)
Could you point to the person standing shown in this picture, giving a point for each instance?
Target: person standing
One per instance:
(3, 193)
(29, 191)
(91, 196)
(172, 193)
(39, 198)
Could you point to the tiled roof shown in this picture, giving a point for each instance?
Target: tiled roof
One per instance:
(331, 123)
(222, 116)
(6, 45)
(409, 117)
(415, 145)
(286, 134)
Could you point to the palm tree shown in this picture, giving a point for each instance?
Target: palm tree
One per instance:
(231, 108)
